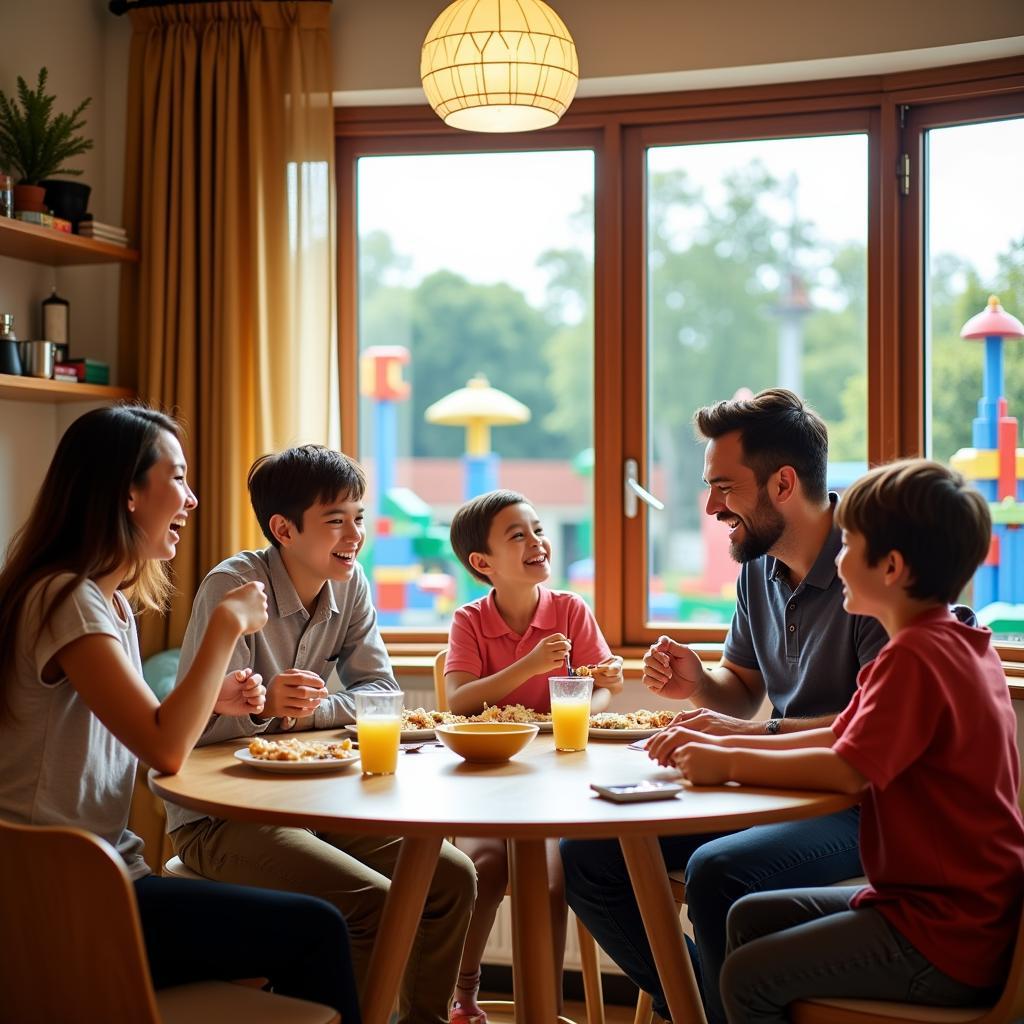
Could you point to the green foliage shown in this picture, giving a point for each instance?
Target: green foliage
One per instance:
(35, 142)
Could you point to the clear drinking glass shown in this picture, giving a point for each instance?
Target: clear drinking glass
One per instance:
(379, 725)
(570, 710)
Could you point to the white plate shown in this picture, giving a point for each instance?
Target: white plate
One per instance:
(597, 733)
(408, 735)
(545, 726)
(331, 764)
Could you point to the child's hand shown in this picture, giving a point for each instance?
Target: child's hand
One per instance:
(672, 670)
(548, 654)
(608, 674)
(663, 746)
(247, 606)
(241, 693)
(703, 764)
(295, 693)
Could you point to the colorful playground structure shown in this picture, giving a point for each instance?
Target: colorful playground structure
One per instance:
(996, 466)
(406, 553)
(415, 580)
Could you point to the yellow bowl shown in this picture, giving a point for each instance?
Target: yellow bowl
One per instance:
(486, 741)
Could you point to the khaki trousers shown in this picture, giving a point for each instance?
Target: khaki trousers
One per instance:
(353, 873)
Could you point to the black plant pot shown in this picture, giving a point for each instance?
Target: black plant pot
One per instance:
(67, 199)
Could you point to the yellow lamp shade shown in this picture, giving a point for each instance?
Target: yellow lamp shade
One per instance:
(499, 65)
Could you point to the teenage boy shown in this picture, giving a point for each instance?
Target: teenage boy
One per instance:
(929, 739)
(309, 504)
(765, 466)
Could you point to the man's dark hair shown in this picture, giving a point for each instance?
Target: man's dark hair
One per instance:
(926, 512)
(776, 429)
(471, 525)
(293, 480)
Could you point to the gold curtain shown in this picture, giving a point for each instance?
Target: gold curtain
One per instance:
(229, 191)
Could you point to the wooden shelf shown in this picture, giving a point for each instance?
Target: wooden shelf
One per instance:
(57, 248)
(39, 389)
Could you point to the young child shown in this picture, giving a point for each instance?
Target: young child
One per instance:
(929, 739)
(309, 504)
(75, 712)
(501, 650)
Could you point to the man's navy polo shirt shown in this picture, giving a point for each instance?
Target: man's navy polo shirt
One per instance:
(806, 647)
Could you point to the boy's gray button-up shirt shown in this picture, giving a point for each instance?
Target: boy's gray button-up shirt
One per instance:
(341, 633)
(806, 646)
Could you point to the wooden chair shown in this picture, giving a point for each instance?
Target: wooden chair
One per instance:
(73, 950)
(871, 1011)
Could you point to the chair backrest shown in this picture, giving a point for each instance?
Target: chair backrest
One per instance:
(440, 696)
(69, 930)
(1011, 1003)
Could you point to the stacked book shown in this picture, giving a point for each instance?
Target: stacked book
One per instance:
(89, 371)
(89, 228)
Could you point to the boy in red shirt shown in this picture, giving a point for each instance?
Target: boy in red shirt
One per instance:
(501, 650)
(929, 740)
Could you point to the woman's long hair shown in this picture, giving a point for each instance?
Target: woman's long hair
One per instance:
(80, 523)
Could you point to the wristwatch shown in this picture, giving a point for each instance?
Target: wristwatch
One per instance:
(772, 726)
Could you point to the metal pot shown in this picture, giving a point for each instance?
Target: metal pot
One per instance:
(37, 358)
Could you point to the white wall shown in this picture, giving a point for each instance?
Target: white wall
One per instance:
(377, 45)
(85, 51)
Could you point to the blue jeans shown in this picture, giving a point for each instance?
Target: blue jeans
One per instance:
(719, 870)
(806, 943)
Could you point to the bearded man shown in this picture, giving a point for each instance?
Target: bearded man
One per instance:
(790, 640)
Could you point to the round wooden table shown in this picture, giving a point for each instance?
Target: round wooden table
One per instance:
(540, 793)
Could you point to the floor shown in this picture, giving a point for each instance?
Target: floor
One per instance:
(575, 1012)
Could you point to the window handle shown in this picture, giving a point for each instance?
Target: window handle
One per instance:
(633, 490)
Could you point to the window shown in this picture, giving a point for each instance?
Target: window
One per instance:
(974, 247)
(475, 278)
(704, 243)
(756, 277)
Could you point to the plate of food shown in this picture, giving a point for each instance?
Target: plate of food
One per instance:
(514, 713)
(295, 756)
(635, 725)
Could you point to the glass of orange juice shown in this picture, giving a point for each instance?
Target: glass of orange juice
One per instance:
(570, 710)
(379, 725)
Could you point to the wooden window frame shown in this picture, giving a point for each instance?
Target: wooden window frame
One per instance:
(618, 129)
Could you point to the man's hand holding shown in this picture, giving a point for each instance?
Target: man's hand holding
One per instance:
(672, 670)
(714, 723)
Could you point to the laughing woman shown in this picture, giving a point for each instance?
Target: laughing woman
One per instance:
(76, 714)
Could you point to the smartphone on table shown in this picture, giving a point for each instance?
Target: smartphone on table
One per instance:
(630, 792)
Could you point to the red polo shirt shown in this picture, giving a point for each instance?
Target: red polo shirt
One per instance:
(482, 643)
(932, 729)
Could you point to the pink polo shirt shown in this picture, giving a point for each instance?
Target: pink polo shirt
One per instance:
(482, 643)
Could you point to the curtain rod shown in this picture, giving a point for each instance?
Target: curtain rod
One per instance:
(119, 7)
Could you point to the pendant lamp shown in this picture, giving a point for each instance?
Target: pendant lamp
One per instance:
(499, 65)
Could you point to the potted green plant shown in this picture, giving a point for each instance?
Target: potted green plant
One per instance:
(35, 142)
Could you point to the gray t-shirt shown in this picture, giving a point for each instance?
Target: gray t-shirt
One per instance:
(806, 646)
(341, 633)
(59, 765)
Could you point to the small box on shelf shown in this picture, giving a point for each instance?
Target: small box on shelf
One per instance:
(91, 371)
